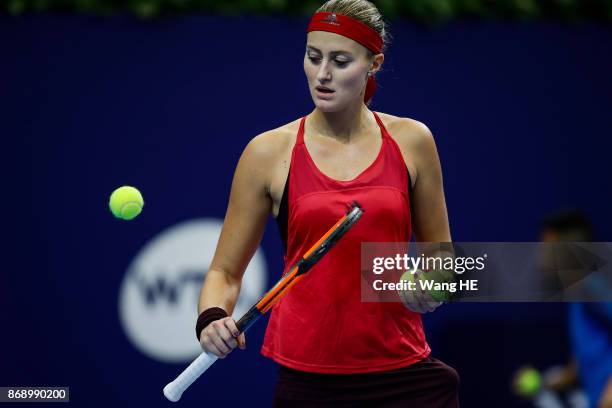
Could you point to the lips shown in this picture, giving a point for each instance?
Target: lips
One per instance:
(324, 89)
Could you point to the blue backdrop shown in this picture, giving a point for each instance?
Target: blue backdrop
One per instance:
(521, 113)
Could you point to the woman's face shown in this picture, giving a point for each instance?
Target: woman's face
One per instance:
(336, 68)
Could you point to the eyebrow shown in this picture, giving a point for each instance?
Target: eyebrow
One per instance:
(333, 53)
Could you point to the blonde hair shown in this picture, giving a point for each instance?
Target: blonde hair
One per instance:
(361, 10)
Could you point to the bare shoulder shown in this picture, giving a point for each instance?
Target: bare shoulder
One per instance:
(408, 133)
(273, 143)
(415, 142)
(269, 157)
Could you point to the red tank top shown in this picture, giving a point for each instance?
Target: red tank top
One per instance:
(321, 325)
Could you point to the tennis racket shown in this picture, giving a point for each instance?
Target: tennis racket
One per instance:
(175, 389)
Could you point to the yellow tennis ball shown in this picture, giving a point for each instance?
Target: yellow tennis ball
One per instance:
(529, 382)
(437, 293)
(442, 278)
(126, 202)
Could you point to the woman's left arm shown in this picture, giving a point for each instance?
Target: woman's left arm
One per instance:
(430, 217)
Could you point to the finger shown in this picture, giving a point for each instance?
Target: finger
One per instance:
(417, 307)
(413, 299)
(419, 301)
(409, 300)
(209, 346)
(225, 334)
(430, 306)
(242, 341)
(435, 303)
(426, 300)
(430, 303)
(213, 349)
(220, 345)
(405, 297)
(413, 307)
(231, 326)
(217, 338)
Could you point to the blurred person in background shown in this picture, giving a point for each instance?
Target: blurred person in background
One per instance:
(589, 370)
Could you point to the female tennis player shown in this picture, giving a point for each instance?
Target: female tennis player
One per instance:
(332, 348)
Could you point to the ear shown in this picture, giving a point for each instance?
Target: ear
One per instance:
(377, 61)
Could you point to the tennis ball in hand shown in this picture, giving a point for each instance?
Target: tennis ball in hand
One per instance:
(430, 278)
(407, 296)
(415, 299)
(528, 382)
(442, 277)
(126, 202)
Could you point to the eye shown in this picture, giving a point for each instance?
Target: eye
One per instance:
(341, 63)
(314, 60)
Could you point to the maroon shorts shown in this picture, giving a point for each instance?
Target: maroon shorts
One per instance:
(429, 383)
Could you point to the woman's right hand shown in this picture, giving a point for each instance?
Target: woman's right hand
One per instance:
(221, 336)
(417, 300)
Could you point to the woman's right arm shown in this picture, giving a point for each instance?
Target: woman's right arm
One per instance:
(244, 224)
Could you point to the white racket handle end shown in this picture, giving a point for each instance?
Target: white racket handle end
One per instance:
(174, 390)
(170, 392)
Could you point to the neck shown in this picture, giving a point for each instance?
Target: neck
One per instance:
(345, 125)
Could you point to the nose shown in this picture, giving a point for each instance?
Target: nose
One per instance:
(324, 74)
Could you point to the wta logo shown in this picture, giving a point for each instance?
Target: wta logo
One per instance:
(158, 298)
